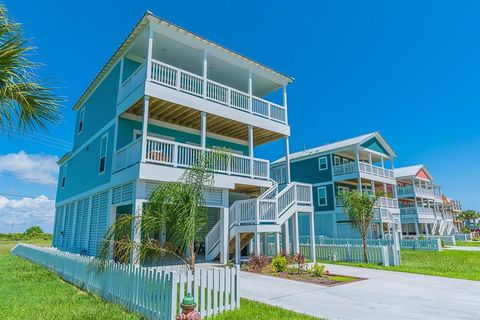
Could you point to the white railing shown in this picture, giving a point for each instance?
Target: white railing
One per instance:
(197, 85)
(352, 167)
(153, 293)
(128, 155)
(417, 210)
(405, 190)
(133, 81)
(212, 239)
(382, 202)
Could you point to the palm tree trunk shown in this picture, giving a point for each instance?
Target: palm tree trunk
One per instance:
(192, 257)
(365, 252)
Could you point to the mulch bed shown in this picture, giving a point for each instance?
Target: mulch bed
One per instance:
(326, 280)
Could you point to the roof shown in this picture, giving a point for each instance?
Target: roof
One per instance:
(141, 24)
(410, 171)
(337, 145)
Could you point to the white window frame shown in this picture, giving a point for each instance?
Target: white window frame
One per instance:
(326, 163)
(341, 189)
(318, 196)
(335, 158)
(346, 161)
(105, 136)
(151, 134)
(63, 181)
(81, 122)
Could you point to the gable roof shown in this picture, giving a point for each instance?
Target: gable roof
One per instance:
(141, 24)
(411, 171)
(340, 144)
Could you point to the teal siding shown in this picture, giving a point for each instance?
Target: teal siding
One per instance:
(82, 171)
(307, 171)
(330, 201)
(375, 145)
(100, 108)
(341, 159)
(126, 128)
(129, 66)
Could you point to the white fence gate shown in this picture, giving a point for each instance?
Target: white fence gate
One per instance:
(153, 293)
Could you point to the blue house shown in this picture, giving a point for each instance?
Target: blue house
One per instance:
(364, 164)
(165, 96)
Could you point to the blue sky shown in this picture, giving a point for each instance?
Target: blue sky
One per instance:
(409, 69)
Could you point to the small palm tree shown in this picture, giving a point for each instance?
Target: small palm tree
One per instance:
(469, 215)
(177, 208)
(25, 102)
(360, 210)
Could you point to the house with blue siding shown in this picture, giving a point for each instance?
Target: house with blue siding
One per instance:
(364, 164)
(164, 97)
(422, 208)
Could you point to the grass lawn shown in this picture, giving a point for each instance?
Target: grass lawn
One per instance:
(468, 243)
(447, 263)
(32, 292)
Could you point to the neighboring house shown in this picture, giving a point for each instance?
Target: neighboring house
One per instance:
(422, 210)
(165, 96)
(454, 208)
(363, 164)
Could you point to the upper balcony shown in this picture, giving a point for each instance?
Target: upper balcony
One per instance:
(417, 191)
(365, 170)
(189, 75)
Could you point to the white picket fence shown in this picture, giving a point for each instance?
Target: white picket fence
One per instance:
(151, 292)
(385, 255)
(448, 240)
(463, 237)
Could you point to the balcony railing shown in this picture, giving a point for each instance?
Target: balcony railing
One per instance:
(176, 154)
(417, 210)
(362, 167)
(419, 191)
(382, 202)
(196, 85)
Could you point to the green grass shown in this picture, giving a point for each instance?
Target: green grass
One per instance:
(468, 243)
(258, 311)
(447, 263)
(342, 278)
(28, 291)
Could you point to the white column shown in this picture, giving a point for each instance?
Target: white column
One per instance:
(357, 161)
(284, 88)
(257, 244)
(383, 163)
(287, 158)
(312, 237)
(205, 70)
(370, 158)
(149, 53)
(238, 254)
(224, 237)
(286, 238)
(277, 243)
(203, 129)
(250, 90)
(416, 228)
(145, 127)
(250, 147)
(295, 242)
(136, 231)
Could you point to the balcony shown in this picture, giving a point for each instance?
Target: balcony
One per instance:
(180, 155)
(382, 202)
(417, 191)
(361, 167)
(183, 81)
(417, 211)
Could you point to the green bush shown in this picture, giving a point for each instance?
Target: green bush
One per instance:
(279, 263)
(476, 239)
(293, 270)
(317, 270)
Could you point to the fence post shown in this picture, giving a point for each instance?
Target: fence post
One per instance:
(439, 244)
(385, 257)
(173, 294)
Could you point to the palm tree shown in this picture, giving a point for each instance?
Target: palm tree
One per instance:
(360, 210)
(469, 216)
(25, 102)
(178, 207)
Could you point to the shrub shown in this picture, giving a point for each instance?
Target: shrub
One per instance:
(317, 270)
(476, 239)
(258, 263)
(293, 270)
(229, 264)
(299, 259)
(279, 263)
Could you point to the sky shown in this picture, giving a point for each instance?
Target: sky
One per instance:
(409, 69)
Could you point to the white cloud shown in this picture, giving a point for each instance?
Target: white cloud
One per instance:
(35, 168)
(26, 212)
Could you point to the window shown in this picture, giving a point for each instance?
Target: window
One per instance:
(322, 196)
(345, 161)
(337, 160)
(322, 163)
(81, 120)
(64, 177)
(342, 189)
(103, 154)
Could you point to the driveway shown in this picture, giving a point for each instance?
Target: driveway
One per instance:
(384, 295)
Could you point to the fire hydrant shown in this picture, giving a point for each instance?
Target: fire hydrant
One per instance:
(188, 309)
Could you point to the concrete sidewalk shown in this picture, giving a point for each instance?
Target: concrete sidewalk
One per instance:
(460, 248)
(384, 295)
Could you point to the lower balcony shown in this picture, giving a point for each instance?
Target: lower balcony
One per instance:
(179, 155)
(382, 202)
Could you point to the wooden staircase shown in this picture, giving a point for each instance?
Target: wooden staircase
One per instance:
(244, 240)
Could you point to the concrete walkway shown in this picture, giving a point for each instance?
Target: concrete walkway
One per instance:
(460, 248)
(384, 295)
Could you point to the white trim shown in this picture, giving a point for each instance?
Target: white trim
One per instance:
(318, 196)
(326, 163)
(335, 158)
(183, 129)
(151, 134)
(63, 181)
(345, 161)
(105, 136)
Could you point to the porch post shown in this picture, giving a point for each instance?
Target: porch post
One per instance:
(416, 229)
(149, 52)
(296, 245)
(145, 127)
(205, 70)
(250, 90)
(357, 161)
(257, 244)
(237, 248)
(136, 232)
(312, 237)
(277, 243)
(203, 133)
(287, 157)
(224, 237)
(284, 92)
(250, 147)
(286, 238)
